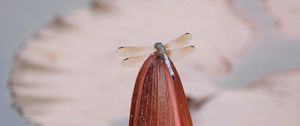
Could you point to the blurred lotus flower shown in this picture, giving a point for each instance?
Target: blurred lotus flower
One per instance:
(68, 74)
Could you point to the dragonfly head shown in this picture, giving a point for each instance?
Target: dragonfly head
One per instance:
(157, 45)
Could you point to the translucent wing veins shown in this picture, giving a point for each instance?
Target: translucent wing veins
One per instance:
(179, 53)
(179, 42)
(134, 51)
(134, 61)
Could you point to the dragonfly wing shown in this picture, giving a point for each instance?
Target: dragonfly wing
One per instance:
(135, 61)
(179, 53)
(179, 42)
(134, 51)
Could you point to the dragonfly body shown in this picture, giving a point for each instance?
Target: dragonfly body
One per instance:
(162, 52)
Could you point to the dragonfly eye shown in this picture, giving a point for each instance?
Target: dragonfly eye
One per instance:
(157, 44)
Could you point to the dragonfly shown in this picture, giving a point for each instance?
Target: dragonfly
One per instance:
(172, 50)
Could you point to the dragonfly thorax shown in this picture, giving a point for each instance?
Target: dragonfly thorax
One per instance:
(160, 49)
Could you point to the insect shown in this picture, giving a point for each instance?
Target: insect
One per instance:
(173, 50)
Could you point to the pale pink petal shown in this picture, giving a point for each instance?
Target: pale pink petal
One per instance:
(271, 101)
(286, 14)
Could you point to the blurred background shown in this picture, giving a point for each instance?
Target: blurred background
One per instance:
(271, 50)
(19, 20)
